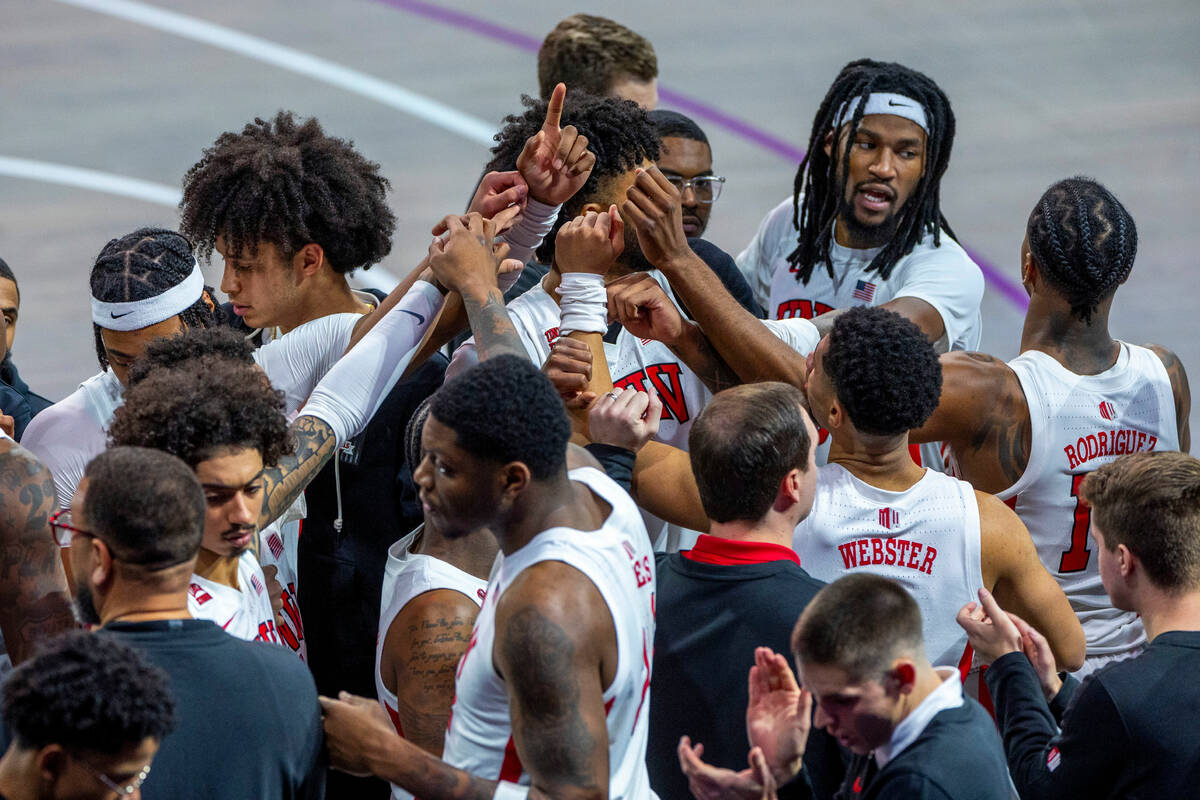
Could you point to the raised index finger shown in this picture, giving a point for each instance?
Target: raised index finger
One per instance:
(555, 107)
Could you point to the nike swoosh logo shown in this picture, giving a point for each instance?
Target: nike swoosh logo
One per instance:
(118, 316)
(902, 105)
(420, 319)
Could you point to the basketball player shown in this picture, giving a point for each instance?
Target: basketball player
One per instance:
(1031, 430)
(551, 694)
(433, 585)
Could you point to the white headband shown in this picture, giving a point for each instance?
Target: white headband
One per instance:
(897, 105)
(137, 314)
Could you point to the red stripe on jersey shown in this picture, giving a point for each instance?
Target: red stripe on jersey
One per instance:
(1011, 502)
(964, 663)
(395, 720)
(914, 450)
(608, 705)
(511, 769)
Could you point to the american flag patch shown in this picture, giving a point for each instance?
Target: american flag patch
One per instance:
(1107, 410)
(1053, 759)
(276, 545)
(863, 290)
(256, 583)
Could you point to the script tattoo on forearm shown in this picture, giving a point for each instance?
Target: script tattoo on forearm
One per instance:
(547, 708)
(34, 600)
(493, 329)
(314, 445)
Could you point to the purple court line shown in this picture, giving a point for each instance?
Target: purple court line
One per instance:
(743, 130)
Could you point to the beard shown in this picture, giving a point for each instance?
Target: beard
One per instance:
(85, 606)
(632, 257)
(870, 236)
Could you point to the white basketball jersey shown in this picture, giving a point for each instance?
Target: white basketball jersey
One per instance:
(1079, 423)
(633, 363)
(278, 546)
(926, 539)
(406, 576)
(244, 612)
(618, 561)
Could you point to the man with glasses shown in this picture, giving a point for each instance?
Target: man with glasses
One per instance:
(87, 715)
(249, 723)
(686, 159)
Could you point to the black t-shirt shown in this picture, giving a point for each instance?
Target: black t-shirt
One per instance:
(248, 721)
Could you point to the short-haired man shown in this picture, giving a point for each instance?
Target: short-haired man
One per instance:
(136, 526)
(860, 655)
(1128, 731)
(87, 715)
(741, 585)
(1031, 430)
(601, 57)
(686, 159)
(17, 400)
(551, 695)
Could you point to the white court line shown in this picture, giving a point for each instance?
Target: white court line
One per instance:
(439, 114)
(158, 193)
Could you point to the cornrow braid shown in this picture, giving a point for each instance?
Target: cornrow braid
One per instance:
(822, 183)
(145, 264)
(286, 182)
(1084, 242)
(618, 132)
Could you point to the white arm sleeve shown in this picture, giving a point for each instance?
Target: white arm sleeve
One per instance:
(536, 222)
(296, 361)
(350, 393)
(757, 261)
(797, 333)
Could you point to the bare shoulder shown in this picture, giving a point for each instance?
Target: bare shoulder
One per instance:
(1004, 539)
(578, 456)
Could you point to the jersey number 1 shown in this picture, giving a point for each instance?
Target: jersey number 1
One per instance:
(1076, 559)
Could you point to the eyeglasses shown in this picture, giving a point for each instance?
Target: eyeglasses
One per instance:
(63, 530)
(706, 187)
(112, 785)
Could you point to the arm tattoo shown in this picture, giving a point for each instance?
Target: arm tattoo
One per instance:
(425, 680)
(314, 445)
(1005, 427)
(546, 701)
(493, 328)
(704, 360)
(34, 600)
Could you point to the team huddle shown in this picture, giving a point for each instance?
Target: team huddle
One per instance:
(589, 507)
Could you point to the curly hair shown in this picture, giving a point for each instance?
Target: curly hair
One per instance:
(821, 180)
(88, 692)
(506, 410)
(197, 409)
(618, 132)
(145, 264)
(591, 54)
(884, 371)
(1084, 242)
(192, 344)
(285, 182)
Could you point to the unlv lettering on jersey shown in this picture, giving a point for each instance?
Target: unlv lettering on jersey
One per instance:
(806, 309)
(293, 633)
(198, 594)
(665, 378)
(1108, 443)
(892, 552)
(551, 335)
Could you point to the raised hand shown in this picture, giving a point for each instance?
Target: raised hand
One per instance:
(500, 198)
(778, 714)
(654, 208)
(707, 782)
(468, 256)
(643, 308)
(555, 162)
(569, 368)
(590, 243)
(625, 418)
(989, 629)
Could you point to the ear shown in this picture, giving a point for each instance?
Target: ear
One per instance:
(828, 145)
(52, 761)
(515, 478)
(1029, 271)
(789, 490)
(903, 675)
(308, 260)
(599, 208)
(101, 561)
(1126, 560)
(837, 416)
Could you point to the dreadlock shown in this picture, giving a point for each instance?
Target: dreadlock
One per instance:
(287, 183)
(1083, 241)
(618, 132)
(145, 264)
(819, 183)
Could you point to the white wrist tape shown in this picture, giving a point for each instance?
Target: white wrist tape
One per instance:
(534, 225)
(137, 314)
(350, 393)
(584, 305)
(506, 790)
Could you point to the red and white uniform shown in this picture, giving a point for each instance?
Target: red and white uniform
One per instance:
(926, 539)
(278, 546)
(244, 612)
(1079, 423)
(406, 576)
(633, 363)
(617, 559)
